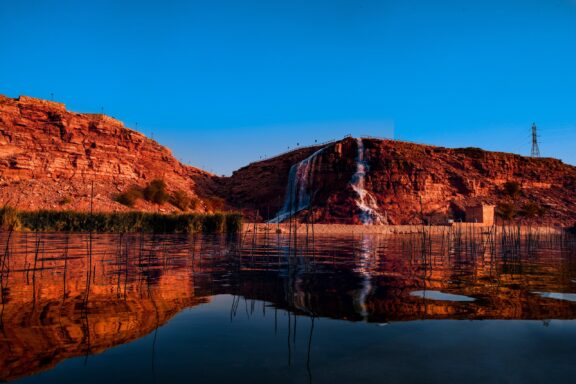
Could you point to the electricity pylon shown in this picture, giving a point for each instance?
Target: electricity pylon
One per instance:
(535, 149)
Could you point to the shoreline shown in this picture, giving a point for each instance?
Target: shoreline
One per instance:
(358, 229)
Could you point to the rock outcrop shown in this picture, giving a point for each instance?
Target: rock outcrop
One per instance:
(263, 186)
(412, 183)
(49, 158)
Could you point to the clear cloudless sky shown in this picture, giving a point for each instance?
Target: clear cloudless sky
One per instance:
(224, 82)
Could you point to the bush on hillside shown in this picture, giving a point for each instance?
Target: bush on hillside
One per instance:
(215, 204)
(180, 200)
(512, 189)
(195, 203)
(155, 192)
(129, 197)
(532, 210)
(506, 211)
(64, 201)
(472, 152)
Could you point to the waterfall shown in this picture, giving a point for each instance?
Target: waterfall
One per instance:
(366, 202)
(297, 195)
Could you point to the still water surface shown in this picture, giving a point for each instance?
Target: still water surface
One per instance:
(178, 309)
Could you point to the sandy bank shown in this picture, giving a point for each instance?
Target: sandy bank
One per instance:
(350, 229)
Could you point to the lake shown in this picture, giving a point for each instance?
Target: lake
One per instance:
(456, 307)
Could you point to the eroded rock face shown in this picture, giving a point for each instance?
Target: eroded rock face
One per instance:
(446, 180)
(263, 186)
(49, 155)
(411, 181)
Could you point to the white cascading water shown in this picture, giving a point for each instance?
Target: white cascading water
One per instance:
(297, 191)
(366, 202)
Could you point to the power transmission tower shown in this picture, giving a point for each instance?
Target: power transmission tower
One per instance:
(535, 149)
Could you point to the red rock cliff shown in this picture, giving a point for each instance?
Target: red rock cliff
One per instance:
(408, 181)
(49, 155)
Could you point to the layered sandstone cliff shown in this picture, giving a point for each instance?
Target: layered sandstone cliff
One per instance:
(409, 183)
(49, 158)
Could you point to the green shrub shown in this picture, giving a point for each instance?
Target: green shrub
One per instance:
(195, 203)
(506, 211)
(155, 192)
(532, 210)
(129, 197)
(9, 219)
(64, 201)
(180, 200)
(214, 204)
(472, 152)
(512, 189)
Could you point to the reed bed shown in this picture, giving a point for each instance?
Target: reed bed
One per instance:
(118, 222)
(494, 242)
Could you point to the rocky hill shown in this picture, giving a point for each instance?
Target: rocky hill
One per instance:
(49, 158)
(375, 181)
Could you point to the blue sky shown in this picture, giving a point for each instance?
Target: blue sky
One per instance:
(223, 83)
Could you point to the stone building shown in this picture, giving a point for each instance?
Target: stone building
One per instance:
(480, 213)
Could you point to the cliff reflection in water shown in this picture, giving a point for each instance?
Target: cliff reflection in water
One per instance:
(76, 295)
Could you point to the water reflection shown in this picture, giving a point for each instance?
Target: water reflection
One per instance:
(437, 295)
(67, 296)
(558, 295)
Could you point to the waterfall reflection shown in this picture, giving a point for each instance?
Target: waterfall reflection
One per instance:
(67, 295)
